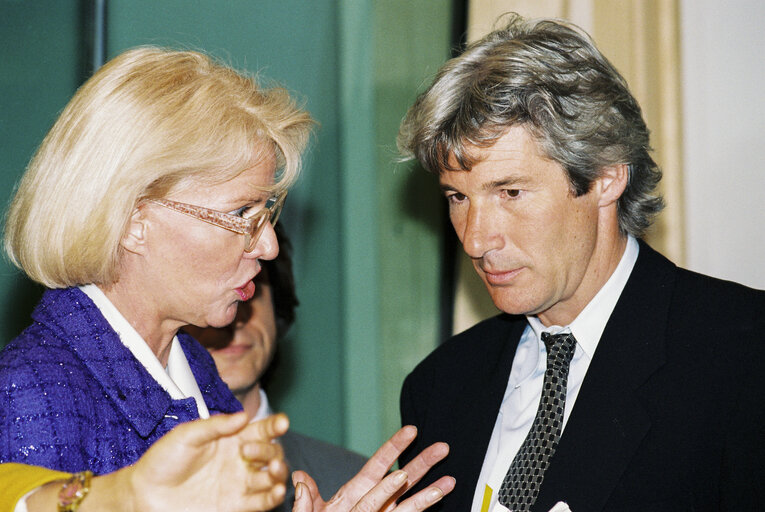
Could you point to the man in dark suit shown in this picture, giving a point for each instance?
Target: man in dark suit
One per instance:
(613, 380)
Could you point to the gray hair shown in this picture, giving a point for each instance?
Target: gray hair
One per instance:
(548, 76)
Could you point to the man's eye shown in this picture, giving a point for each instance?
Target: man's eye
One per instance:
(455, 198)
(512, 192)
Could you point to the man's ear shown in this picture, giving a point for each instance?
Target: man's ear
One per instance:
(134, 239)
(612, 183)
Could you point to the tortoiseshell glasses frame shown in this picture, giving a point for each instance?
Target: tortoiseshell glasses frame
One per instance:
(251, 227)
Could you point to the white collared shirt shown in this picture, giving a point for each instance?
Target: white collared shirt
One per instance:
(524, 387)
(177, 379)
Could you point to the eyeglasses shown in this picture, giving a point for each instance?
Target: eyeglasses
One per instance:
(251, 227)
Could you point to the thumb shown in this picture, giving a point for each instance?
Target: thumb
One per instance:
(303, 501)
(200, 432)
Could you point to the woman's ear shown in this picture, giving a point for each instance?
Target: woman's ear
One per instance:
(613, 181)
(134, 239)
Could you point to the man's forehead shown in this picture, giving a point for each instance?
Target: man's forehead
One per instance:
(516, 142)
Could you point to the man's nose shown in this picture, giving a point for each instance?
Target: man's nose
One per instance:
(479, 234)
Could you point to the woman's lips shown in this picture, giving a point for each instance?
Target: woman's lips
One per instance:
(247, 291)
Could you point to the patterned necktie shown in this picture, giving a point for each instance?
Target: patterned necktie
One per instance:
(521, 485)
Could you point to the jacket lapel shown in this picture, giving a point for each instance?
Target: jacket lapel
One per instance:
(469, 443)
(608, 421)
(216, 394)
(73, 316)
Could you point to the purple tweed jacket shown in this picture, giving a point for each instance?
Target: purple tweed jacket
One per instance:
(73, 397)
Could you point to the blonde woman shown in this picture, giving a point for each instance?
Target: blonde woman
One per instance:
(148, 207)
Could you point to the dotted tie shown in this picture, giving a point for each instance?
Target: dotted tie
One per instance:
(521, 485)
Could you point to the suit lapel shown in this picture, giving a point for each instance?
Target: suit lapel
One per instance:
(485, 389)
(608, 421)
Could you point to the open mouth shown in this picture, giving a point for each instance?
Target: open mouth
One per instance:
(247, 291)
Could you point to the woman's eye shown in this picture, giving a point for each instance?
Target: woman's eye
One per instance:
(243, 212)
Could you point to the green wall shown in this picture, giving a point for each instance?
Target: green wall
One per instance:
(366, 231)
(39, 71)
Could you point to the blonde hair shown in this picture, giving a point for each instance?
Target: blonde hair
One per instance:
(148, 122)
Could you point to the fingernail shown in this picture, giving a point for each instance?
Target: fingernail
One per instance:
(435, 495)
(401, 476)
(298, 491)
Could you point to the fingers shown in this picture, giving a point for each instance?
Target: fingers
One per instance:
(266, 429)
(303, 478)
(384, 492)
(379, 464)
(199, 432)
(265, 489)
(278, 470)
(425, 460)
(261, 451)
(303, 499)
(266, 500)
(265, 479)
(428, 496)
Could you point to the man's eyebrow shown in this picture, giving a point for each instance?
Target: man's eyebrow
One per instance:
(490, 185)
(504, 182)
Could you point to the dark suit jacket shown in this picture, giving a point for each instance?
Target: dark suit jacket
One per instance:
(670, 416)
(329, 465)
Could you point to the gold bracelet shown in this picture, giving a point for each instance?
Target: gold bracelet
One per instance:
(74, 491)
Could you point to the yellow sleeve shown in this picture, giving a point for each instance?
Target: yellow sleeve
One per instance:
(18, 479)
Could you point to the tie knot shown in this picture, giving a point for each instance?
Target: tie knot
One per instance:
(560, 347)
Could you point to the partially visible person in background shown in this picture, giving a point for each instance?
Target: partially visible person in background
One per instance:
(243, 352)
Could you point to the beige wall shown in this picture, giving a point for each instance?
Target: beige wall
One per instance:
(723, 76)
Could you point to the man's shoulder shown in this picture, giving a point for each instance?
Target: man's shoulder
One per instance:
(718, 293)
(485, 340)
(695, 293)
(721, 315)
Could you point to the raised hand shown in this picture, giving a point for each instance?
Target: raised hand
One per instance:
(373, 489)
(221, 463)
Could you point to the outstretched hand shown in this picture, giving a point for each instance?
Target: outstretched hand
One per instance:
(371, 490)
(221, 463)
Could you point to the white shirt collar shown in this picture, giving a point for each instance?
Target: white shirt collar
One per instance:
(177, 379)
(264, 409)
(588, 326)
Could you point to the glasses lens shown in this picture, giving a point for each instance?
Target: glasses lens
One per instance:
(269, 214)
(256, 229)
(276, 210)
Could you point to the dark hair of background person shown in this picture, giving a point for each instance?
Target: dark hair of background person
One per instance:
(282, 281)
